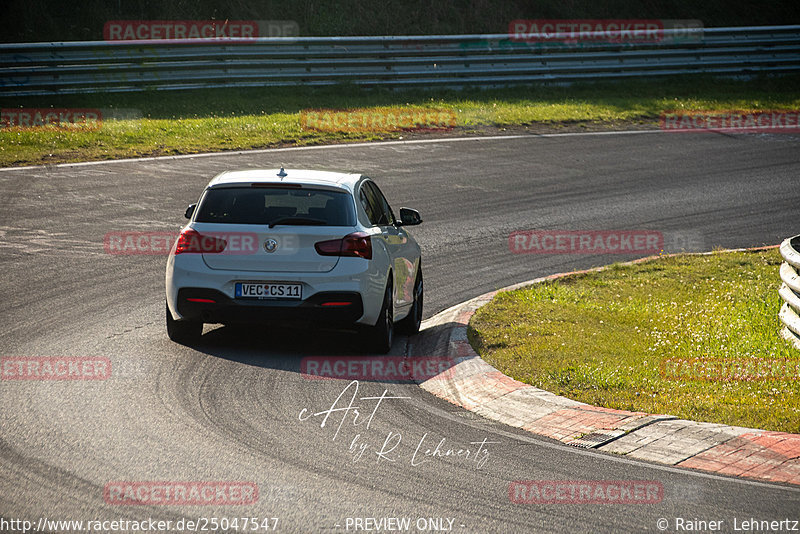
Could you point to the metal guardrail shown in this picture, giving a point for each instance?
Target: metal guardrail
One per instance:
(790, 290)
(452, 61)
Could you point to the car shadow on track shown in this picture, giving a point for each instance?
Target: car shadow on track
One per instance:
(285, 348)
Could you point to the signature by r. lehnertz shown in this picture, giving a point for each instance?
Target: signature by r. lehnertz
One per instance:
(361, 411)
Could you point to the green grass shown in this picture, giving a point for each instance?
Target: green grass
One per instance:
(185, 122)
(603, 338)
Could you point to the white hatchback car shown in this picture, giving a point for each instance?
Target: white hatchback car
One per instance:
(298, 246)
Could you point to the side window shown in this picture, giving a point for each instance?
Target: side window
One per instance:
(367, 200)
(388, 215)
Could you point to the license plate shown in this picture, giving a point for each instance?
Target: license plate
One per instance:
(268, 290)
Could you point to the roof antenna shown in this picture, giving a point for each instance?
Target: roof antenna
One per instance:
(282, 173)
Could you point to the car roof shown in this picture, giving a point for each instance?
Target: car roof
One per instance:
(294, 176)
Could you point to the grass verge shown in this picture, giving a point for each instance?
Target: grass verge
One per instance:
(186, 122)
(615, 338)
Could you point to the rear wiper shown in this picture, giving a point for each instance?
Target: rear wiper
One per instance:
(297, 220)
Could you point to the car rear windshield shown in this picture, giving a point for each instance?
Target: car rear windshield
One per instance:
(266, 205)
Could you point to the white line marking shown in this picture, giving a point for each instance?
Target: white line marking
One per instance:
(372, 144)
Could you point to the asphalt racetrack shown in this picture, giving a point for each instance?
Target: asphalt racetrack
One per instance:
(229, 409)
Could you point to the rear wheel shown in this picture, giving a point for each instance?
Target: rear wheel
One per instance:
(381, 335)
(410, 325)
(183, 332)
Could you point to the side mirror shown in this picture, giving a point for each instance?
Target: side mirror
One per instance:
(409, 217)
(190, 211)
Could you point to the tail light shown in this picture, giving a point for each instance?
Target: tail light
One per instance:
(191, 241)
(358, 245)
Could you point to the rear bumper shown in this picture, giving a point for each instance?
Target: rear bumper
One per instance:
(338, 308)
(354, 276)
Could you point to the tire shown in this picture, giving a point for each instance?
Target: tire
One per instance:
(381, 335)
(410, 325)
(183, 332)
